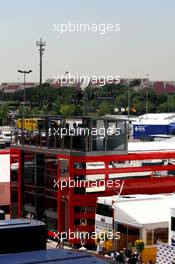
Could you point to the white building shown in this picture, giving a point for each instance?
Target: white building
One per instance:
(4, 178)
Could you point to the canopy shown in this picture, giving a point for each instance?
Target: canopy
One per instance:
(148, 213)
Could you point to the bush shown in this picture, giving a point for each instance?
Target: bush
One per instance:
(139, 245)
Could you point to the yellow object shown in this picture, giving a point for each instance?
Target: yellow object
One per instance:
(30, 124)
(149, 253)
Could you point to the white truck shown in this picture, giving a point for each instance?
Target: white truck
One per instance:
(6, 135)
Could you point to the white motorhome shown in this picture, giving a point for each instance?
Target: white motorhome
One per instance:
(6, 135)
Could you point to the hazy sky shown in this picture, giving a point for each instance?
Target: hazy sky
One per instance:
(144, 45)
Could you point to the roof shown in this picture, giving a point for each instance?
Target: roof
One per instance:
(157, 115)
(163, 145)
(18, 223)
(51, 256)
(122, 198)
(141, 210)
(145, 213)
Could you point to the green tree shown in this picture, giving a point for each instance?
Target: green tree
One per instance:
(67, 110)
(4, 109)
(105, 108)
(24, 110)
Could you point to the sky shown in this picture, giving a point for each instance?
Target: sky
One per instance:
(144, 45)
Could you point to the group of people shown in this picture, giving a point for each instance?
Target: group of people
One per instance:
(121, 257)
(126, 257)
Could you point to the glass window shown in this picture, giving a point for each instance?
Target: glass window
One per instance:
(64, 168)
(104, 209)
(14, 203)
(40, 169)
(80, 165)
(29, 199)
(116, 135)
(133, 235)
(78, 142)
(173, 223)
(149, 237)
(51, 212)
(161, 234)
(14, 175)
(29, 168)
(78, 190)
(14, 167)
(77, 209)
(51, 171)
(51, 204)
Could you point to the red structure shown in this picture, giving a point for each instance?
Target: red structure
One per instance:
(60, 186)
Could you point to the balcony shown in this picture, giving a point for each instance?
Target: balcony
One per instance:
(82, 134)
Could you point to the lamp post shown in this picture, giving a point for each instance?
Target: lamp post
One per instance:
(147, 87)
(129, 100)
(41, 45)
(24, 83)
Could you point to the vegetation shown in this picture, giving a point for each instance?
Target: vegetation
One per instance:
(139, 245)
(4, 109)
(91, 101)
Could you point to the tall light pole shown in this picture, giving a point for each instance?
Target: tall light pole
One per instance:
(24, 99)
(129, 100)
(41, 44)
(147, 87)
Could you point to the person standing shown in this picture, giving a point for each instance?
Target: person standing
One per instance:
(99, 247)
(133, 259)
(58, 242)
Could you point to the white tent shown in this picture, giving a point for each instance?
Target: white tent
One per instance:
(147, 213)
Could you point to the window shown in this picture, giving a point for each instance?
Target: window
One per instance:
(149, 237)
(29, 168)
(29, 199)
(84, 209)
(14, 203)
(80, 165)
(161, 234)
(64, 168)
(157, 234)
(79, 190)
(40, 168)
(173, 223)
(51, 171)
(104, 209)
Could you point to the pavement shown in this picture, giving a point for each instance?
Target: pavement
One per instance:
(51, 244)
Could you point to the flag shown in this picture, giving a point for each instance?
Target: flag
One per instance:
(133, 109)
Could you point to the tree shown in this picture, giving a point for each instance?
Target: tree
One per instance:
(24, 110)
(105, 108)
(67, 110)
(4, 109)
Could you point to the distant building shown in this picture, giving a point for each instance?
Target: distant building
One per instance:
(14, 87)
(80, 83)
(164, 87)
